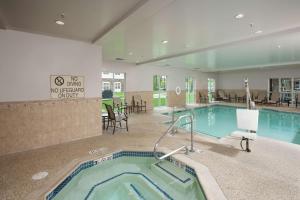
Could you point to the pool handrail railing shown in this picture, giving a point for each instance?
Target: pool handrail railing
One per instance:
(190, 116)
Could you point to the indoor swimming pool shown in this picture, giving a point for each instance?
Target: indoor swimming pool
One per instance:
(219, 121)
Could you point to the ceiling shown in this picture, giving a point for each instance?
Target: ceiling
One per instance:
(85, 20)
(201, 34)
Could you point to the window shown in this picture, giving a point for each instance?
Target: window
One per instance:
(117, 86)
(297, 84)
(107, 75)
(105, 85)
(286, 84)
(274, 85)
(119, 75)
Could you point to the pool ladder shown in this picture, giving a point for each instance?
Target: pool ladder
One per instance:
(171, 128)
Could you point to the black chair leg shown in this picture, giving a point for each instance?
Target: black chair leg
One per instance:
(114, 122)
(107, 124)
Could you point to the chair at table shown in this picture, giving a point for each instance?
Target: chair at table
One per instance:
(138, 103)
(247, 123)
(115, 118)
(123, 107)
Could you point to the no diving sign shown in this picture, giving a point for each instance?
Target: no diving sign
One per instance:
(66, 86)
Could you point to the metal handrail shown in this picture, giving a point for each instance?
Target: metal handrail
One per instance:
(171, 128)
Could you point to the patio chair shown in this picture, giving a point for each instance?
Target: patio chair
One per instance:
(260, 98)
(138, 103)
(114, 119)
(241, 97)
(123, 107)
(247, 122)
(232, 97)
(203, 98)
(222, 96)
(274, 99)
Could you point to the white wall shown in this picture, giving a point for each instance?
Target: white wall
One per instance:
(140, 78)
(258, 78)
(27, 61)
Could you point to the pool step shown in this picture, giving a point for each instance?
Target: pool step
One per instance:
(127, 188)
(173, 176)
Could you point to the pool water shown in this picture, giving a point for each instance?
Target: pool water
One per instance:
(132, 178)
(220, 121)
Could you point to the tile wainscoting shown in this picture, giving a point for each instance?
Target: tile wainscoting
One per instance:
(34, 124)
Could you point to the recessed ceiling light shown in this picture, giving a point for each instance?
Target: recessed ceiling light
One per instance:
(164, 41)
(259, 31)
(59, 22)
(279, 46)
(239, 16)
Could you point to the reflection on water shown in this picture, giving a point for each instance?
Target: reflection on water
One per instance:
(220, 121)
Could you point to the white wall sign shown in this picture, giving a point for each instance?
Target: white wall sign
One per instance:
(66, 86)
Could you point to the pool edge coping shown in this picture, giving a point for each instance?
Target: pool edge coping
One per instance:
(208, 183)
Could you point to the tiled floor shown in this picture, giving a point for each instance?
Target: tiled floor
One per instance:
(270, 171)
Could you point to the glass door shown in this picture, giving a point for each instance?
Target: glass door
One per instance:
(113, 85)
(159, 90)
(211, 87)
(190, 90)
(273, 87)
(286, 89)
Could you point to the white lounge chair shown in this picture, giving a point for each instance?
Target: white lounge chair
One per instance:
(247, 122)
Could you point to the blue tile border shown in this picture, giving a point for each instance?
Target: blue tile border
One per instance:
(58, 188)
(91, 163)
(130, 173)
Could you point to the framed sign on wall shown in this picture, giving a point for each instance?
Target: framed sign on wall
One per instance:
(66, 87)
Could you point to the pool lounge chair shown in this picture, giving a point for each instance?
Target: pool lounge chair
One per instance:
(114, 118)
(241, 97)
(247, 123)
(232, 97)
(222, 96)
(203, 98)
(274, 99)
(260, 98)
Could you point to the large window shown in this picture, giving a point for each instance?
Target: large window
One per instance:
(287, 87)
